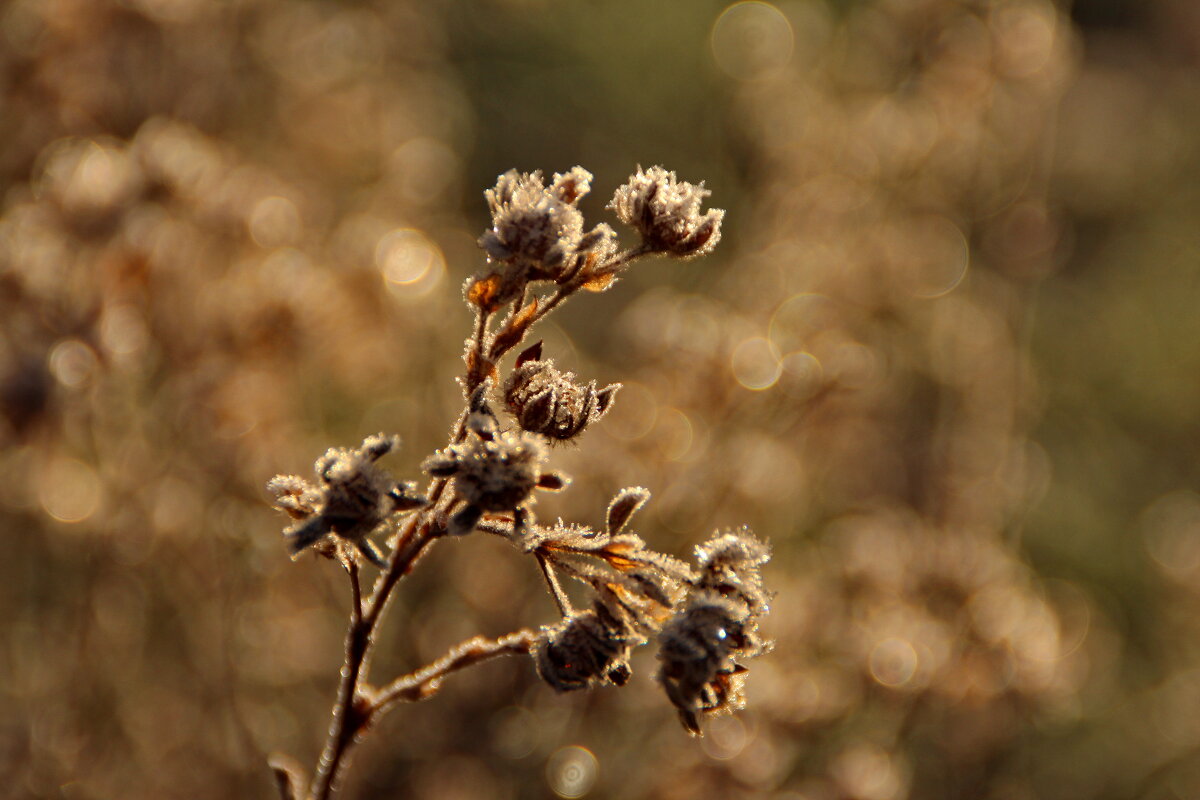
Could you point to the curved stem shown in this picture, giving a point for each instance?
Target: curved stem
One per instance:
(560, 596)
(426, 681)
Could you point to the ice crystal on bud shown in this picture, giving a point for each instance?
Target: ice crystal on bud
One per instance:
(350, 500)
(492, 471)
(666, 212)
(549, 402)
(537, 231)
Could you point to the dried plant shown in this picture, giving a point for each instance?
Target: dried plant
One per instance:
(704, 618)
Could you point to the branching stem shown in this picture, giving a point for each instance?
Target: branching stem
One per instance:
(357, 704)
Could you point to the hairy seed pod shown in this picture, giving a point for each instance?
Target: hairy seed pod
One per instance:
(698, 648)
(586, 649)
(548, 402)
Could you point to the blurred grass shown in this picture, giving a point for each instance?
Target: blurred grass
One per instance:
(945, 359)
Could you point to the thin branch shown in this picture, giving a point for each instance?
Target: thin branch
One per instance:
(413, 539)
(347, 720)
(560, 596)
(568, 288)
(356, 599)
(426, 681)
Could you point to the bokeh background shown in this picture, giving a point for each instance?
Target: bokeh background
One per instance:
(947, 358)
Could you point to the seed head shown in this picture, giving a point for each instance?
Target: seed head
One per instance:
(666, 212)
(698, 650)
(493, 471)
(537, 231)
(549, 402)
(351, 498)
(586, 649)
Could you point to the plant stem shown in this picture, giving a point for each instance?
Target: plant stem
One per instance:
(354, 707)
(426, 681)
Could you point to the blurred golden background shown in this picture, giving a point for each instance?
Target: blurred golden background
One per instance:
(946, 358)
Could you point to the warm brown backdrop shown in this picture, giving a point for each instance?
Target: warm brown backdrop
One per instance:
(947, 358)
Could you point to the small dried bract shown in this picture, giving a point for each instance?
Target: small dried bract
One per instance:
(549, 402)
(537, 231)
(493, 471)
(352, 498)
(666, 212)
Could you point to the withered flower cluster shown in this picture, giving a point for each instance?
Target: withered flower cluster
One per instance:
(704, 617)
(537, 230)
(493, 471)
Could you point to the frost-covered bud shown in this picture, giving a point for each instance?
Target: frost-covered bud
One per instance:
(493, 471)
(698, 650)
(586, 649)
(351, 498)
(532, 226)
(730, 564)
(537, 231)
(548, 402)
(666, 212)
(496, 474)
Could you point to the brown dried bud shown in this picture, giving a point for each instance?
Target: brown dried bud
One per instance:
(548, 402)
(586, 649)
(351, 498)
(730, 564)
(537, 231)
(666, 212)
(492, 471)
(698, 648)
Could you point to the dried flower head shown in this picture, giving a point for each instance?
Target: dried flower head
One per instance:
(537, 231)
(730, 564)
(717, 625)
(549, 402)
(585, 649)
(698, 651)
(666, 212)
(493, 471)
(351, 498)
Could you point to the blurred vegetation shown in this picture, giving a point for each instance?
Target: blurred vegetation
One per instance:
(945, 359)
